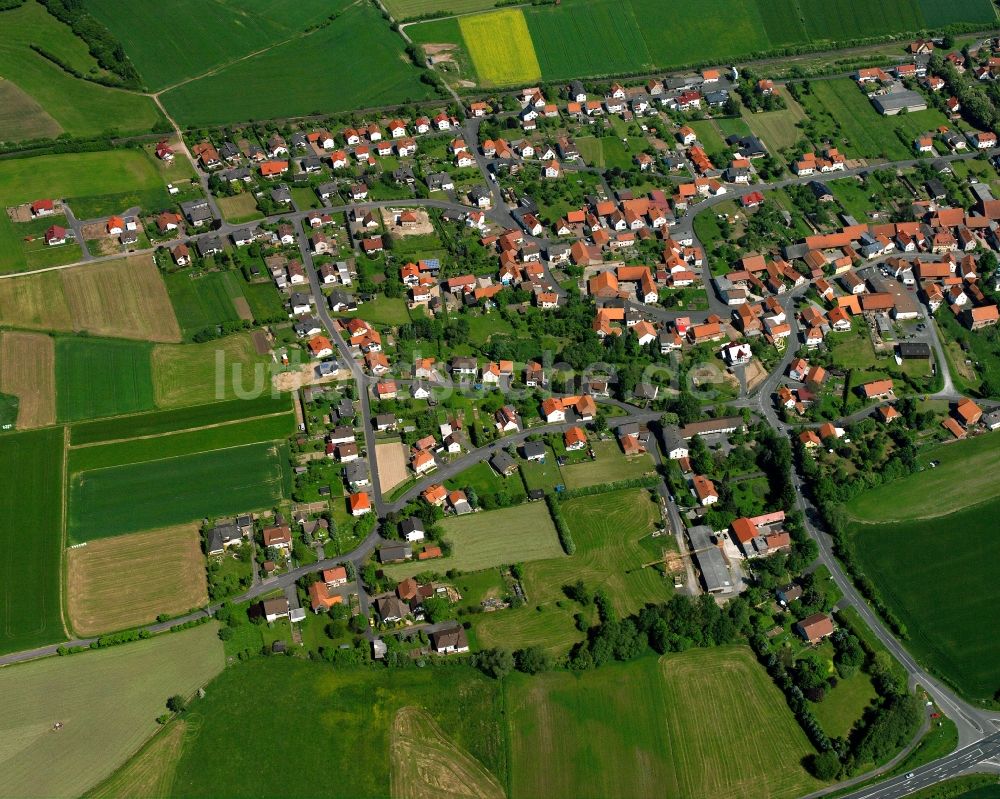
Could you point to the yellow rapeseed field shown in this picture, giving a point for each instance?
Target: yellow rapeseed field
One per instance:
(501, 47)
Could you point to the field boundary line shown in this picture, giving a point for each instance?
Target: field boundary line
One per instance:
(924, 518)
(212, 426)
(185, 455)
(64, 537)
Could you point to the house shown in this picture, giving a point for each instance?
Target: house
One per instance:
(320, 598)
(815, 628)
(451, 640)
(967, 412)
(222, 537)
(335, 577)
(877, 389)
(274, 609)
(412, 529)
(279, 538)
(704, 490)
(575, 439)
(435, 495)
(394, 553)
(181, 255)
(360, 503)
(41, 208)
(459, 503)
(390, 608)
(533, 450)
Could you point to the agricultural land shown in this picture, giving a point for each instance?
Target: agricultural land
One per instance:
(27, 371)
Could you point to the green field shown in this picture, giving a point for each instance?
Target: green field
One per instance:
(409, 9)
(204, 301)
(190, 374)
(836, 20)
(142, 496)
(101, 377)
(965, 477)
(865, 132)
(939, 578)
(342, 718)
(610, 465)
(202, 36)
(78, 107)
(611, 532)
(286, 79)
(492, 538)
(777, 129)
(656, 726)
(159, 422)
(31, 537)
(107, 702)
(190, 442)
(939, 12)
(76, 177)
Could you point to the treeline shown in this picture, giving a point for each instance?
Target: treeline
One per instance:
(604, 488)
(565, 537)
(10, 5)
(105, 48)
(114, 83)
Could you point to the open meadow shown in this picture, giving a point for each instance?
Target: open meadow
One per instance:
(777, 129)
(656, 726)
(159, 493)
(205, 301)
(491, 538)
(27, 370)
(317, 705)
(298, 77)
(101, 377)
(54, 100)
(31, 539)
(610, 465)
(121, 582)
(611, 532)
(227, 368)
(107, 702)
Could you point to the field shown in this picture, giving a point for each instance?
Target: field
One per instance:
(391, 458)
(777, 129)
(285, 78)
(410, 9)
(317, 706)
(27, 370)
(124, 499)
(610, 465)
(107, 702)
(121, 298)
(188, 442)
(202, 37)
(493, 538)
(579, 38)
(149, 773)
(122, 582)
(656, 726)
(79, 107)
(124, 298)
(205, 301)
(943, 589)
(21, 117)
(865, 132)
(426, 763)
(500, 47)
(77, 175)
(611, 532)
(608, 31)
(240, 208)
(964, 478)
(31, 539)
(101, 377)
(189, 374)
(159, 422)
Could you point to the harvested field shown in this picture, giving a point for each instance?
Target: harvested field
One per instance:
(148, 774)
(426, 764)
(391, 459)
(243, 312)
(107, 702)
(122, 582)
(36, 302)
(27, 370)
(123, 298)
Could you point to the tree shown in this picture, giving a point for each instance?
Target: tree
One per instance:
(176, 704)
(824, 766)
(496, 663)
(532, 660)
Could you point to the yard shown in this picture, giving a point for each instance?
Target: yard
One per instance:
(107, 702)
(664, 725)
(29, 611)
(610, 465)
(491, 538)
(121, 582)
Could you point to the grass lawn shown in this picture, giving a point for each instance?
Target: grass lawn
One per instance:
(544, 475)
(101, 377)
(484, 480)
(68, 176)
(656, 726)
(160, 493)
(611, 532)
(204, 301)
(609, 466)
(481, 327)
(957, 556)
(106, 709)
(240, 208)
(382, 311)
(78, 107)
(965, 477)
(491, 538)
(31, 538)
(709, 137)
(284, 78)
(357, 705)
(777, 129)
(189, 374)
